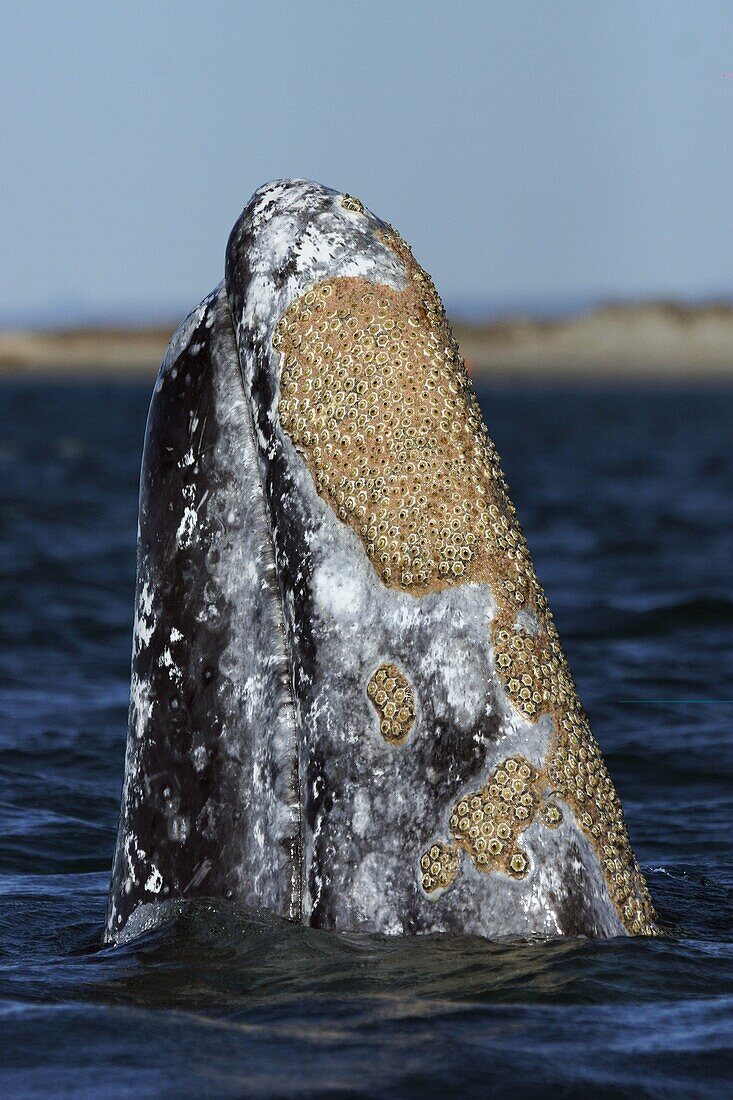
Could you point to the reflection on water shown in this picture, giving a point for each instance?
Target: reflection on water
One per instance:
(627, 500)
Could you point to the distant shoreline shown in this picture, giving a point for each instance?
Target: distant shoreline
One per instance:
(663, 341)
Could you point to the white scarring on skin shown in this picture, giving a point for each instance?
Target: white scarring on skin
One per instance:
(286, 255)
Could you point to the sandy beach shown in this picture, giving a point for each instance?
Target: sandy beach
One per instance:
(663, 341)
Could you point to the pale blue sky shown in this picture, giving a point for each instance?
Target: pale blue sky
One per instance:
(532, 152)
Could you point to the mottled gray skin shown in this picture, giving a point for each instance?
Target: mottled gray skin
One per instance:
(332, 820)
(210, 805)
(370, 809)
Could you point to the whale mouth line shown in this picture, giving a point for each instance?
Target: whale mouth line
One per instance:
(295, 904)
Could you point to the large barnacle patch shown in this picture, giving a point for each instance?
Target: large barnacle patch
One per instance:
(375, 395)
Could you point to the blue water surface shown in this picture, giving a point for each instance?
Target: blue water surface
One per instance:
(626, 497)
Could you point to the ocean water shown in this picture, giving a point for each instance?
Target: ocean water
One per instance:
(627, 501)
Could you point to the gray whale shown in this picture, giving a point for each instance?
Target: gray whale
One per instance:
(349, 704)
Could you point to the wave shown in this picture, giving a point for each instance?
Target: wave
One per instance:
(606, 621)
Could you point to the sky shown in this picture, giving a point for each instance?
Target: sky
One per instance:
(536, 153)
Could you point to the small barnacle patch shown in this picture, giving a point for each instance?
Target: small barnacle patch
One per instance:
(487, 824)
(350, 203)
(391, 696)
(439, 867)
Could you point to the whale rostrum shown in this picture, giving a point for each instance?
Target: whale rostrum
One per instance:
(349, 702)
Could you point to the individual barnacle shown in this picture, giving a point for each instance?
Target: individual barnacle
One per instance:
(518, 865)
(551, 815)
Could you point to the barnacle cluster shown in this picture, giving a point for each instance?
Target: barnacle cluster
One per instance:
(487, 824)
(391, 695)
(350, 203)
(439, 866)
(375, 395)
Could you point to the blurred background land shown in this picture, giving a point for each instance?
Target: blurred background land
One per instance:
(562, 171)
(661, 340)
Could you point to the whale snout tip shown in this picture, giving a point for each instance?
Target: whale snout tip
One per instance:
(300, 197)
(294, 232)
